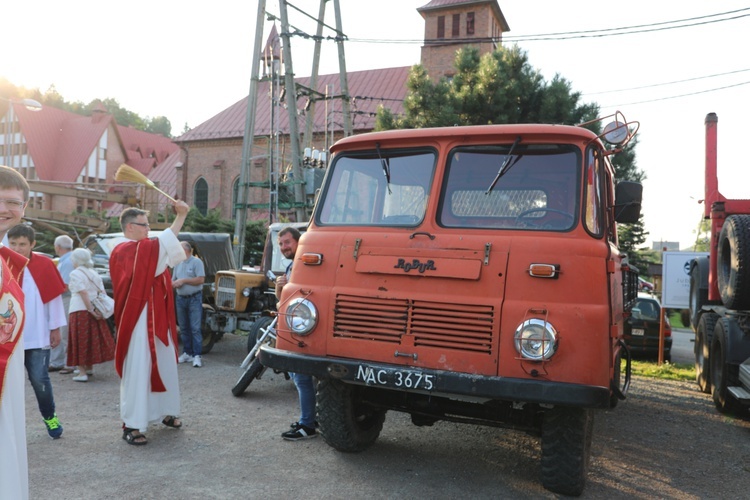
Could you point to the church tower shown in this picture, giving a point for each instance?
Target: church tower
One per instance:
(453, 24)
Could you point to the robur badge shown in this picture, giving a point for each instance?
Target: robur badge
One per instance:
(415, 264)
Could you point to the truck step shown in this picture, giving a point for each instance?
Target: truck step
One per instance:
(745, 373)
(740, 393)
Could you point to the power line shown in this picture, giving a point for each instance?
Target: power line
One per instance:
(638, 27)
(569, 35)
(668, 83)
(677, 96)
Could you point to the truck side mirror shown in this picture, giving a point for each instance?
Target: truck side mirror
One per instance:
(628, 196)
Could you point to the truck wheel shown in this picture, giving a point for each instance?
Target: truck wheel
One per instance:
(566, 449)
(721, 377)
(703, 335)
(255, 331)
(733, 262)
(346, 423)
(209, 337)
(252, 372)
(616, 378)
(698, 288)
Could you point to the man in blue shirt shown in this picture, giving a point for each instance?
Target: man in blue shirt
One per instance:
(187, 280)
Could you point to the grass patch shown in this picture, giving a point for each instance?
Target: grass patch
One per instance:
(668, 371)
(675, 319)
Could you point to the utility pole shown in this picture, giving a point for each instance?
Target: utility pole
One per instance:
(342, 72)
(248, 140)
(291, 89)
(310, 113)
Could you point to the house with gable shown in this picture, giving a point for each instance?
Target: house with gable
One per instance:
(76, 157)
(210, 172)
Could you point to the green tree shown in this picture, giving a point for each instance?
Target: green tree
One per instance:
(502, 87)
(159, 125)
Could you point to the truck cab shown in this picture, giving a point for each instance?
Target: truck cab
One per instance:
(469, 274)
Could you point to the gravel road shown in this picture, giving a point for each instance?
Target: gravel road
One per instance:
(665, 441)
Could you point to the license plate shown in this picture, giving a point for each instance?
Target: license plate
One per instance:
(399, 379)
(638, 331)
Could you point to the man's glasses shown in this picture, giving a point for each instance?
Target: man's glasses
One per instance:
(12, 204)
(142, 224)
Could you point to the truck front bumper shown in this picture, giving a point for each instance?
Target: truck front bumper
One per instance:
(444, 383)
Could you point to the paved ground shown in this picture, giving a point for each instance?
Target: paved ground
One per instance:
(665, 441)
(683, 342)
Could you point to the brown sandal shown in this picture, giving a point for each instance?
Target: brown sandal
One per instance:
(173, 422)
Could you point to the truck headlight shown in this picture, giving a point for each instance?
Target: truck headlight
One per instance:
(301, 316)
(246, 291)
(536, 339)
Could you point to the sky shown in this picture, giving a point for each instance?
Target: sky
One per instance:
(190, 60)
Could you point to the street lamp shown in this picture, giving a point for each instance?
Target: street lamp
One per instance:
(30, 104)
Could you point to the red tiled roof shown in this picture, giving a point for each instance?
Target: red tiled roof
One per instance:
(59, 142)
(369, 89)
(140, 144)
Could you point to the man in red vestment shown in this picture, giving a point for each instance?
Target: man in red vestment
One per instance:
(146, 350)
(14, 475)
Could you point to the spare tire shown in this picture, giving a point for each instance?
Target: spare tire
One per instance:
(733, 262)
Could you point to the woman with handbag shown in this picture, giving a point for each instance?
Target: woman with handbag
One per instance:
(90, 340)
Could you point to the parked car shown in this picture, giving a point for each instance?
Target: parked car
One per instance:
(642, 328)
(645, 286)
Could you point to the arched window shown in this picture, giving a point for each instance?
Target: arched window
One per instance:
(200, 196)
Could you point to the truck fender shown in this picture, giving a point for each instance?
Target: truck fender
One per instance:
(738, 341)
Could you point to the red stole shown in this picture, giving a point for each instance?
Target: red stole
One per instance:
(11, 318)
(132, 266)
(46, 276)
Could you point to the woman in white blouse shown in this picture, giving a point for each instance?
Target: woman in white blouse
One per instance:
(90, 340)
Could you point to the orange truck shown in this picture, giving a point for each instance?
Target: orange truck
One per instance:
(469, 274)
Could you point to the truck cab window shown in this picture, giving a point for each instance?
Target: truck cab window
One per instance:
(359, 193)
(538, 192)
(593, 194)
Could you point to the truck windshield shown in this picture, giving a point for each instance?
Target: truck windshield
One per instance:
(358, 192)
(540, 192)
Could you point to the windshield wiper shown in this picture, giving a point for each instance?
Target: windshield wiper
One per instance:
(386, 167)
(508, 163)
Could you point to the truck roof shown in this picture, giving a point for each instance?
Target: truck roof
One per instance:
(474, 132)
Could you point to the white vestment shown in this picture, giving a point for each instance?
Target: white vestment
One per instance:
(14, 471)
(140, 407)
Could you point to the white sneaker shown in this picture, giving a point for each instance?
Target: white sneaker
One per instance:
(197, 362)
(81, 378)
(185, 358)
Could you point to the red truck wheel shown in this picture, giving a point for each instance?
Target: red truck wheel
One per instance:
(733, 262)
(703, 335)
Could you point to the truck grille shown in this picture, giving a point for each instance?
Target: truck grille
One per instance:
(226, 294)
(464, 327)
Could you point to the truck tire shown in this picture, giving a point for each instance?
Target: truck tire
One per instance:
(703, 334)
(345, 423)
(255, 331)
(733, 262)
(698, 288)
(209, 337)
(616, 378)
(722, 374)
(252, 372)
(566, 449)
